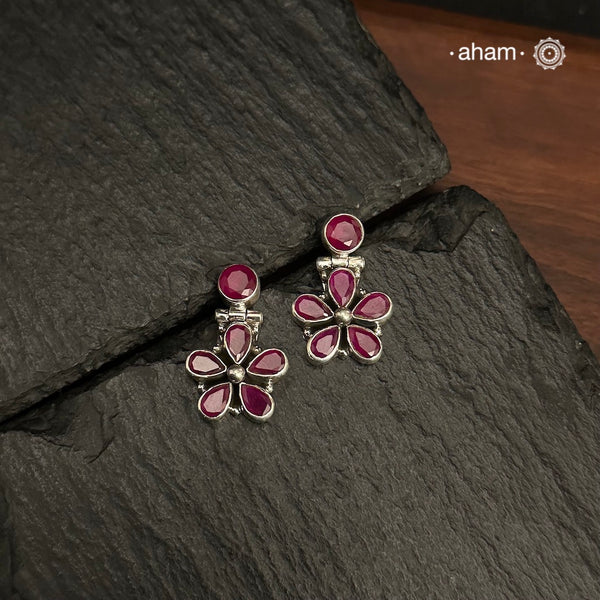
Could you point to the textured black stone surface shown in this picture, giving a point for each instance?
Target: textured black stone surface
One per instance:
(465, 464)
(147, 145)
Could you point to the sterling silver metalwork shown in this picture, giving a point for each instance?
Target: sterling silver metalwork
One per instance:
(237, 376)
(343, 320)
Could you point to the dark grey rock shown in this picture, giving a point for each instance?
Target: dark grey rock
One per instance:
(145, 146)
(465, 464)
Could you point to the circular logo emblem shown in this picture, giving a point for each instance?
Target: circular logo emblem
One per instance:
(549, 53)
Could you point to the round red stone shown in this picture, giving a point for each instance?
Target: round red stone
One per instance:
(268, 363)
(364, 342)
(256, 401)
(311, 308)
(214, 402)
(344, 233)
(342, 286)
(204, 364)
(324, 343)
(238, 282)
(237, 341)
(373, 306)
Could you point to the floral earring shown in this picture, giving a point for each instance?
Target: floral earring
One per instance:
(244, 374)
(343, 319)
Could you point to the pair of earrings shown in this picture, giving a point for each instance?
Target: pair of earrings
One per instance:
(243, 373)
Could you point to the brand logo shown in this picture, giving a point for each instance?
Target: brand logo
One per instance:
(475, 52)
(549, 53)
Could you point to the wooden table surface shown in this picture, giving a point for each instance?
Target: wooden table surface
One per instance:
(526, 138)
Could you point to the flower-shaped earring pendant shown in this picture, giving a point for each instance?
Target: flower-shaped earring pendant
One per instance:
(241, 372)
(351, 322)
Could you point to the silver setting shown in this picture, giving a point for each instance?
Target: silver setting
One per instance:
(202, 378)
(261, 418)
(269, 379)
(377, 321)
(326, 243)
(302, 320)
(234, 371)
(342, 316)
(355, 276)
(225, 410)
(359, 357)
(322, 360)
(251, 336)
(250, 300)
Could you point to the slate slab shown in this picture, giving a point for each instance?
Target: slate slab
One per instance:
(146, 146)
(465, 464)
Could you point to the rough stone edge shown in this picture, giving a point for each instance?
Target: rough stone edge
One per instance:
(378, 198)
(39, 419)
(463, 205)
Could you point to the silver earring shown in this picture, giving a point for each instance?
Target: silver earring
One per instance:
(343, 320)
(237, 376)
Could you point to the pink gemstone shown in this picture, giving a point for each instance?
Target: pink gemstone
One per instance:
(363, 342)
(204, 364)
(323, 344)
(237, 341)
(256, 401)
(311, 308)
(373, 306)
(238, 282)
(342, 286)
(214, 402)
(268, 363)
(344, 233)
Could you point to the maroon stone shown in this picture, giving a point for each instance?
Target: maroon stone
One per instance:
(312, 308)
(373, 306)
(324, 344)
(268, 363)
(342, 286)
(363, 342)
(214, 402)
(238, 282)
(256, 401)
(204, 364)
(344, 233)
(237, 341)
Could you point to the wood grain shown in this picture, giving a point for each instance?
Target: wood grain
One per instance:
(525, 138)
